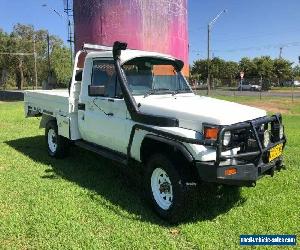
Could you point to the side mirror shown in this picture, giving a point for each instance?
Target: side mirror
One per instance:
(95, 90)
(78, 76)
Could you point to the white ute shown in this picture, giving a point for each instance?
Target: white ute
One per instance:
(136, 108)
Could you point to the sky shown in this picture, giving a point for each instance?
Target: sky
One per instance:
(248, 28)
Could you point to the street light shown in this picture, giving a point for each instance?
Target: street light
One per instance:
(209, 26)
(45, 5)
(70, 40)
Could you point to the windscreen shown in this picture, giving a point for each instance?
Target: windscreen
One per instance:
(149, 75)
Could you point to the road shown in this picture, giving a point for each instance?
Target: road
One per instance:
(263, 94)
(11, 95)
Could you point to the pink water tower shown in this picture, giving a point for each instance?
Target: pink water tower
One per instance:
(152, 25)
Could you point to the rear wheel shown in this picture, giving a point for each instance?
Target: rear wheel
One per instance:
(165, 188)
(57, 145)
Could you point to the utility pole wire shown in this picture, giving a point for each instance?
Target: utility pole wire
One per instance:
(255, 35)
(293, 44)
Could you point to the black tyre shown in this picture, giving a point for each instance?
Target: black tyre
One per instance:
(57, 145)
(165, 188)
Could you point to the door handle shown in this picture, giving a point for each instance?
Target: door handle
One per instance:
(81, 106)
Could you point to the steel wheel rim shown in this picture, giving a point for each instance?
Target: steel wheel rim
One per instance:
(52, 140)
(162, 189)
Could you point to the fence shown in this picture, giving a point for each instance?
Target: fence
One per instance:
(265, 83)
(290, 91)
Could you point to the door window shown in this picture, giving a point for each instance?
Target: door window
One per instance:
(104, 74)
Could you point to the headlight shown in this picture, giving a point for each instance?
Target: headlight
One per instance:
(266, 138)
(281, 132)
(226, 138)
(262, 127)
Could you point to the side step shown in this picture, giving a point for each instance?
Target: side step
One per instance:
(105, 152)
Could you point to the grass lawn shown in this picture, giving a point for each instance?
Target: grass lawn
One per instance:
(84, 201)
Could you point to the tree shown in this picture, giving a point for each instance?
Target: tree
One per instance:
(230, 72)
(221, 71)
(248, 67)
(264, 70)
(61, 65)
(20, 69)
(282, 70)
(216, 67)
(296, 72)
(23, 36)
(3, 69)
(260, 70)
(199, 69)
(264, 66)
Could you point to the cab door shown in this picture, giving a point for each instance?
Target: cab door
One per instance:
(104, 118)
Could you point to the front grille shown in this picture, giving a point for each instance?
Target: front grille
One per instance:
(275, 132)
(246, 140)
(249, 138)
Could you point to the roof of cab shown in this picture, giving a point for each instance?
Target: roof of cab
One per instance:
(128, 54)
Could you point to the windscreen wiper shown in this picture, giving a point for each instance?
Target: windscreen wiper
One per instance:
(181, 91)
(154, 91)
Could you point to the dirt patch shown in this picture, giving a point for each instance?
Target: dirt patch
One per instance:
(270, 107)
(276, 105)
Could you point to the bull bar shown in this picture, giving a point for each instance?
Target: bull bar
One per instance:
(247, 172)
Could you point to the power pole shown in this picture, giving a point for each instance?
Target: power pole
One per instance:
(69, 12)
(68, 9)
(48, 54)
(208, 59)
(35, 68)
(209, 26)
(70, 40)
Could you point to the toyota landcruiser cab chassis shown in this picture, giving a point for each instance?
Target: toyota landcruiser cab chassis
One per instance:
(136, 108)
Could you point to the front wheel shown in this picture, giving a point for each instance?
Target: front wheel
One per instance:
(164, 188)
(57, 145)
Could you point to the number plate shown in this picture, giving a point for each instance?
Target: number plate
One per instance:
(275, 152)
